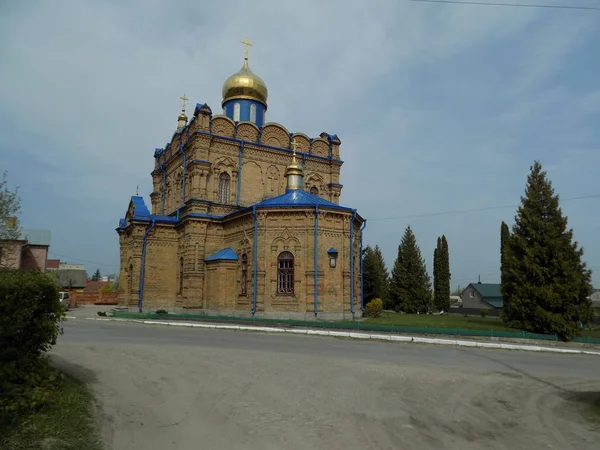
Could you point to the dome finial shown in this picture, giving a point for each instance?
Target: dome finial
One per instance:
(182, 119)
(247, 44)
(294, 172)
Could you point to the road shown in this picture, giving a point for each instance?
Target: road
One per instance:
(179, 388)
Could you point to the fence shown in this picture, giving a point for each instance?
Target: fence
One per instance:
(355, 326)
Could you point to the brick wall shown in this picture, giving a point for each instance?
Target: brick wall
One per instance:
(93, 298)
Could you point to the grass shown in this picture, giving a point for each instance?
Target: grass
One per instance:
(66, 422)
(452, 321)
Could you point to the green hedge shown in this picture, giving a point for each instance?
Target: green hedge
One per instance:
(30, 316)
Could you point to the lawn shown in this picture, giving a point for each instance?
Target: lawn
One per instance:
(67, 422)
(452, 321)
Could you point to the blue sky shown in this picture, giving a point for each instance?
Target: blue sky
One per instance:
(440, 107)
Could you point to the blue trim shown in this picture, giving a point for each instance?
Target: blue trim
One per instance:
(239, 186)
(352, 262)
(143, 268)
(332, 251)
(362, 292)
(255, 257)
(316, 258)
(200, 161)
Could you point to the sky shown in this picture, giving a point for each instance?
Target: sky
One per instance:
(441, 110)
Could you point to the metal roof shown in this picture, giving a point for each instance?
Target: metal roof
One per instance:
(298, 197)
(226, 254)
(36, 237)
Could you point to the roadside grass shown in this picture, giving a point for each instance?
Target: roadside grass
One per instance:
(452, 321)
(66, 422)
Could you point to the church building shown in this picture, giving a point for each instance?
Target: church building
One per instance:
(244, 219)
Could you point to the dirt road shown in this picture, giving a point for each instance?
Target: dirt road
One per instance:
(173, 388)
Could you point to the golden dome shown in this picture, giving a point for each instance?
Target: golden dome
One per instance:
(245, 85)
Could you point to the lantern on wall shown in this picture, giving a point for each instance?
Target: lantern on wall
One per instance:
(333, 254)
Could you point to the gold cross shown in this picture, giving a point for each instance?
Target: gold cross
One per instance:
(246, 43)
(294, 145)
(137, 191)
(184, 99)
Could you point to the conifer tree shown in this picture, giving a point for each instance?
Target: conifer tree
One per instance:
(437, 282)
(444, 264)
(97, 275)
(546, 283)
(375, 275)
(410, 287)
(504, 236)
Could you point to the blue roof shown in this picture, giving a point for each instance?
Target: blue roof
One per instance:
(298, 197)
(140, 208)
(224, 254)
(332, 250)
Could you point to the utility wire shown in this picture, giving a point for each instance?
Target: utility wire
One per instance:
(519, 5)
(82, 260)
(464, 211)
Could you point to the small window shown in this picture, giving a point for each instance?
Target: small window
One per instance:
(224, 183)
(471, 294)
(285, 273)
(253, 113)
(314, 190)
(224, 110)
(244, 277)
(236, 112)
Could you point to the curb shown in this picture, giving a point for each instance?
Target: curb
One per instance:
(352, 335)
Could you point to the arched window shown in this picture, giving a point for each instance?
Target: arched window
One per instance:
(181, 275)
(224, 182)
(244, 278)
(314, 190)
(285, 273)
(236, 112)
(253, 113)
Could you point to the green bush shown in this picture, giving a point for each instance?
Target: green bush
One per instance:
(30, 316)
(374, 308)
(483, 313)
(162, 311)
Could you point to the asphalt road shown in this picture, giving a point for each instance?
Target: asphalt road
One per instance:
(180, 388)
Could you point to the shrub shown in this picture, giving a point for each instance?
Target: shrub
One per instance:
(483, 313)
(107, 288)
(30, 319)
(374, 308)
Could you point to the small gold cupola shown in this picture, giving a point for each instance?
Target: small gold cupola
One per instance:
(182, 119)
(294, 172)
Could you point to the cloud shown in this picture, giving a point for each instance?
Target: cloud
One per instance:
(439, 107)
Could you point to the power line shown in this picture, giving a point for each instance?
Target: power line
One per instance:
(464, 211)
(519, 5)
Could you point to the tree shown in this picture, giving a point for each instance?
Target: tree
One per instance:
(375, 275)
(546, 283)
(10, 207)
(410, 287)
(445, 275)
(504, 236)
(97, 275)
(441, 275)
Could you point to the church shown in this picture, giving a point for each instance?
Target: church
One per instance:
(244, 219)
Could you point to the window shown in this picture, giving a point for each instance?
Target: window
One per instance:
(253, 113)
(244, 278)
(285, 273)
(181, 275)
(471, 294)
(224, 110)
(236, 112)
(224, 182)
(314, 190)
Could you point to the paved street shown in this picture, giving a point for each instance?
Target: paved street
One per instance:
(178, 388)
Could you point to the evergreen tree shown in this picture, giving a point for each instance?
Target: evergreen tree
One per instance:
(444, 263)
(410, 287)
(546, 283)
(504, 236)
(437, 283)
(97, 276)
(375, 275)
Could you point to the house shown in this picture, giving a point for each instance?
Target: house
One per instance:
(30, 251)
(595, 298)
(74, 280)
(456, 301)
(482, 296)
